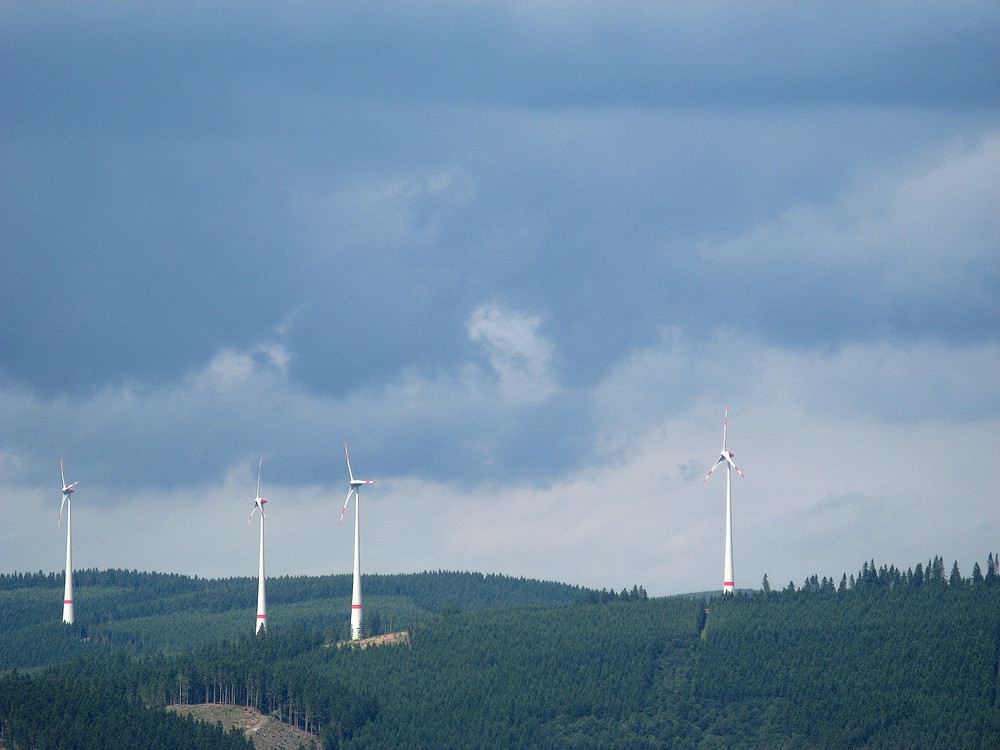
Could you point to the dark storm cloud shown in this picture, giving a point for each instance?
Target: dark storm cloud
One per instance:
(167, 171)
(237, 68)
(229, 221)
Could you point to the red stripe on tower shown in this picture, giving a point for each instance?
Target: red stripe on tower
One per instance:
(261, 617)
(355, 606)
(67, 601)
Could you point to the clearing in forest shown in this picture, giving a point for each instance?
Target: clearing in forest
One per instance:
(266, 731)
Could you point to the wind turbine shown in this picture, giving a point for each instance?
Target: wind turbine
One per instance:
(258, 504)
(725, 457)
(356, 595)
(67, 504)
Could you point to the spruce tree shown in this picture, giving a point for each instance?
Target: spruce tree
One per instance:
(991, 570)
(977, 575)
(955, 579)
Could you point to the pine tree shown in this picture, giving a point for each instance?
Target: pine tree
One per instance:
(977, 575)
(955, 579)
(937, 573)
(991, 570)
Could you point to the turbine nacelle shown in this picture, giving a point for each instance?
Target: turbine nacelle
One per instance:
(728, 457)
(257, 504)
(258, 501)
(725, 456)
(67, 490)
(353, 485)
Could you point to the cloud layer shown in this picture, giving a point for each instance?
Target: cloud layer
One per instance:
(520, 257)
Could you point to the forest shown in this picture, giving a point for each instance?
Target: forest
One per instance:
(886, 658)
(135, 613)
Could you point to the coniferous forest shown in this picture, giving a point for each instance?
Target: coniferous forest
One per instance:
(884, 658)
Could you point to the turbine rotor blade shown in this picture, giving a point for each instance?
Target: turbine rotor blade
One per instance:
(62, 471)
(259, 467)
(349, 472)
(61, 506)
(349, 493)
(714, 467)
(252, 511)
(732, 463)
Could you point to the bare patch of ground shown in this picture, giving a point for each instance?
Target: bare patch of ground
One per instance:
(267, 732)
(379, 640)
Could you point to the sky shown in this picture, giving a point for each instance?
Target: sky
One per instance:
(520, 256)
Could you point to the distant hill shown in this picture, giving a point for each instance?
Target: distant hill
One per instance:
(884, 659)
(52, 711)
(136, 613)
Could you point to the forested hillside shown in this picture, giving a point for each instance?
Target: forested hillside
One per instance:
(50, 712)
(135, 613)
(884, 659)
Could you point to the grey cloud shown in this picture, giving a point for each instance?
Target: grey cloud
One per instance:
(591, 54)
(509, 249)
(454, 466)
(228, 219)
(902, 257)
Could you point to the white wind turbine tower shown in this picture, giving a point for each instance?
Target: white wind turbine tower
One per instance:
(356, 595)
(67, 503)
(728, 585)
(258, 504)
